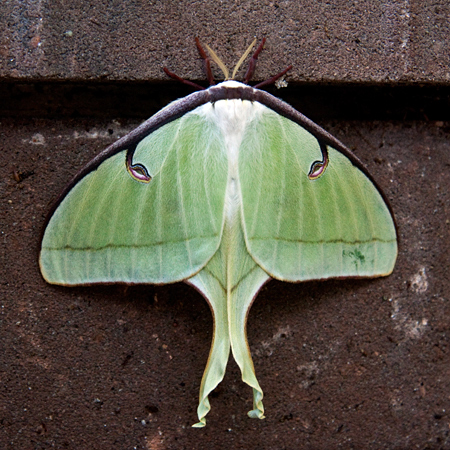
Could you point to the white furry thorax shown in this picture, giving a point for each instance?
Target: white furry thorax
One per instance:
(232, 117)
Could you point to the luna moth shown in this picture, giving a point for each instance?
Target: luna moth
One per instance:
(223, 189)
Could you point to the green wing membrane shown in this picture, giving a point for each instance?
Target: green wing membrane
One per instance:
(224, 200)
(113, 228)
(298, 228)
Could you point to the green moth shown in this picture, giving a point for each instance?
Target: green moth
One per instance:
(223, 189)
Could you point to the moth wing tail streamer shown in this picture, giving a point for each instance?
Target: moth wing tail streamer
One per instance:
(230, 282)
(210, 287)
(240, 302)
(230, 310)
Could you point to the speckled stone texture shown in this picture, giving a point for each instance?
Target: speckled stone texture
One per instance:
(343, 364)
(370, 41)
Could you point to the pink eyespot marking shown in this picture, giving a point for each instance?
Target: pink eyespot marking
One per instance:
(318, 167)
(137, 171)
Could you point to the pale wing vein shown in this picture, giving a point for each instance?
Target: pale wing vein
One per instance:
(347, 200)
(206, 187)
(283, 151)
(338, 218)
(260, 159)
(181, 197)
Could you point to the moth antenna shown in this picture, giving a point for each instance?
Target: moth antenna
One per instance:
(273, 79)
(252, 63)
(206, 62)
(182, 80)
(249, 49)
(218, 61)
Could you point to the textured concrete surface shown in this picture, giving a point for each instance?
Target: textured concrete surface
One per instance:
(350, 364)
(343, 364)
(360, 41)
